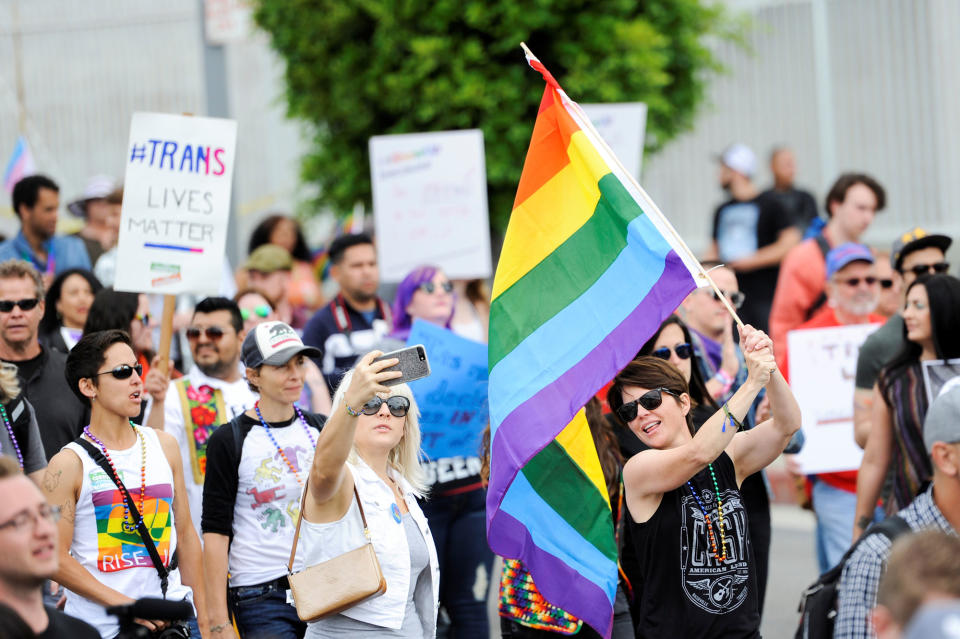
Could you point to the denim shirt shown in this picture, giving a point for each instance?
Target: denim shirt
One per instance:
(67, 252)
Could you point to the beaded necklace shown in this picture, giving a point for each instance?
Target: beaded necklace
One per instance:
(713, 539)
(13, 438)
(129, 525)
(267, 427)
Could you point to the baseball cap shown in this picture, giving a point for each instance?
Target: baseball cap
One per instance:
(942, 423)
(740, 158)
(937, 620)
(273, 343)
(914, 240)
(268, 258)
(848, 252)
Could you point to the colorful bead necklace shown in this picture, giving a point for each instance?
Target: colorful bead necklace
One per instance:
(713, 539)
(267, 427)
(13, 438)
(129, 524)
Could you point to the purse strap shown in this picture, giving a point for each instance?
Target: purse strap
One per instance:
(303, 504)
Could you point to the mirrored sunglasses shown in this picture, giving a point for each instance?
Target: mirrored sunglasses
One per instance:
(261, 310)
(683, 351)
(397, 405)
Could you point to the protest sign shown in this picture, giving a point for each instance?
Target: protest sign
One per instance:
(823, 365)
(452, 400)
(176, 204)
(622, 125)
(940, 375)
(430, 203)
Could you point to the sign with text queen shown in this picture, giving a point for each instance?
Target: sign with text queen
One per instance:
(176, 204)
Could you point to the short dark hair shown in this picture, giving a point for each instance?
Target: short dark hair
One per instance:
(50, 323)
(213, 304)
(340, 245)
(648, 372)
(27, 190)
(88, 355)
(838, 192)
(111, 310)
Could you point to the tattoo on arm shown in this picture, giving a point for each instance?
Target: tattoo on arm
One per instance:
(68, 510)
(864, 521)
(51, 480)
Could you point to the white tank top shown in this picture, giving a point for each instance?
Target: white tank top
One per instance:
(114, 556)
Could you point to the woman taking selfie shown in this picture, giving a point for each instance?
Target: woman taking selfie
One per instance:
(370, 450)
(684, 508)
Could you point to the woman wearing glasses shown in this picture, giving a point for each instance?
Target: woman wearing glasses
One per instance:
(103, 559)
(370, 450)
(685, 517)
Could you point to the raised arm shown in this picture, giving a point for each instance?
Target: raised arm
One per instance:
(873, 467)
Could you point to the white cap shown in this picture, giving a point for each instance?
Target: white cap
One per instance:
(740, 158)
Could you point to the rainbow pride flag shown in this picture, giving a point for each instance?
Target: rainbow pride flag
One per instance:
(589, 270)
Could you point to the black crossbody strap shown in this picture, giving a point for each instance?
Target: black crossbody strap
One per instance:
(97, 455)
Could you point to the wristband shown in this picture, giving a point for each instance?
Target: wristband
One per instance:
(352, 412)
(724, 377)
(725, 381)
(729, 415)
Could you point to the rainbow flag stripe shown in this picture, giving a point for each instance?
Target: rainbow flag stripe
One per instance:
(589, 269)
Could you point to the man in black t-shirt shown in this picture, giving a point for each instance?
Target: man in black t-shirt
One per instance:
(28, 555)
(798, 203)
(752, 232)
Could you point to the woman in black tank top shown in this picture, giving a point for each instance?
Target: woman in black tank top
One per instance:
(685, 516)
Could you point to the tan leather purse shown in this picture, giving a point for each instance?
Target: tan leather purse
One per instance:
(339, 583)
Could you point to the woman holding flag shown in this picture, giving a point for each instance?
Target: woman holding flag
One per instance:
(690, 484)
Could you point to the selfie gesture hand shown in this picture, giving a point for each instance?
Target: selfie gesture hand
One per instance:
(757, 350)
(368, 379)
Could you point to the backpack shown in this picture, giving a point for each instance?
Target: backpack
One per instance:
(822, 298)
(818, 603)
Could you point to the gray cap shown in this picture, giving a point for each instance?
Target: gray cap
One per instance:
(274, 344)
(939, 620)
(942, 423)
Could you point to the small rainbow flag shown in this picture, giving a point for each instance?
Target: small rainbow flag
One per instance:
(21, 164)
(589, 269)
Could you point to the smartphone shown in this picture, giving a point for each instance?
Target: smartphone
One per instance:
(413, 364)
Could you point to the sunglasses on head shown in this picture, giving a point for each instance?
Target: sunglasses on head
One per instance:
(26, 305)
(261, 310)
(923, 269)
(854, 282)
(683, 351)
(398, 406)
(430, 287)
(650, 400)
(123, 371)
(214, 333)
(736, 297)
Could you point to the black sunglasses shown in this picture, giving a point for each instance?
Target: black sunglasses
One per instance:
(854, 282)
(27, 305)
(736, 297)
(123, 371)
(398, 406)
(886, 283)
(214, 333)
(917, 269)
(683, 351)
(650, 400)
(430, 287)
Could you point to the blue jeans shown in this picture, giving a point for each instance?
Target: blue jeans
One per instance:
(835, 510)
(459, 527)
(262, 612)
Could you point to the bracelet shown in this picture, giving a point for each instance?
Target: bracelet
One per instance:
(352, 412)
(725, 384)
(729, 415)
(724, 377)
(220, 627)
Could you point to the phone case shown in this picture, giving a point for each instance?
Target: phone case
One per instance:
(413, 364)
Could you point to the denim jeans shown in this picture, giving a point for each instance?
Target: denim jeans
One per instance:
(835, 510)
(262, 612)
(458, 524)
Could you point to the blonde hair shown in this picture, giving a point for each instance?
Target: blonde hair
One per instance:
(404, 457)
(9, 383)
(15, 269)
(920, 564)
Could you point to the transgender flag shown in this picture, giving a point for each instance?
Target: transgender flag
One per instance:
(589, 270)
(21, 165)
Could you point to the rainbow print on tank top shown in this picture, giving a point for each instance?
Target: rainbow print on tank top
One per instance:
(119, 549)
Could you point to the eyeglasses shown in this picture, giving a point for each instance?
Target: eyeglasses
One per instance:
(30, 517)
(143, 319)
(123, 371)
(736, 297)
(398, 406)
(261, 310)
(430, 287)
(26, 305)
(213, 333)
(854, 282)
(650, 400)
(916, 269)
(886, 283)
(683, 351)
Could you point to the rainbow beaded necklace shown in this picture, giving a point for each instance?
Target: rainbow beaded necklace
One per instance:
(267, 427)
(13, 438)
(129, 524)
(706, 516)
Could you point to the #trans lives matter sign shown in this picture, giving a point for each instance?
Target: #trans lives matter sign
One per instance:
(176, 204)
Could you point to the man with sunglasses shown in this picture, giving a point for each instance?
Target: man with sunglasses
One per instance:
(211, 393)
(60, 414)
(915, 253)
(852, 294)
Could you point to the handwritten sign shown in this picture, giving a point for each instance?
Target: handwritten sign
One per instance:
(453, 398)
(176, 203)
(430, 203)
(823, 365)
(622, 125)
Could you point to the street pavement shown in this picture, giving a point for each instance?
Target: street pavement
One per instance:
(793, 566)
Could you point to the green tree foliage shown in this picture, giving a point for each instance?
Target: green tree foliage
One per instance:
(358, 68)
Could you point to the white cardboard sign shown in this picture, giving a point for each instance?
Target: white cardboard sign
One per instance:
(176, 204)
(823, 365)
(622, 125)
(430, 203)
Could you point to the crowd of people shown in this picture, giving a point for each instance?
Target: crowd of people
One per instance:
(270, 440)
